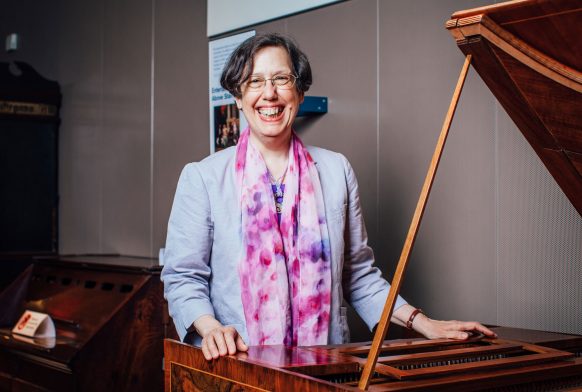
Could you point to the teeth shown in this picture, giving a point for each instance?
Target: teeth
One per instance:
(270, 112)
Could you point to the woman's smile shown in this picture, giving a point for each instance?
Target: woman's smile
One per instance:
(271, 113)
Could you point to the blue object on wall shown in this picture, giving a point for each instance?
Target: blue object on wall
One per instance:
(312, 105)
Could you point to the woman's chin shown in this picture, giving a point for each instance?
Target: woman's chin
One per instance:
(272, 133)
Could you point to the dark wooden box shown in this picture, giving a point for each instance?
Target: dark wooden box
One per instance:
(110, 319)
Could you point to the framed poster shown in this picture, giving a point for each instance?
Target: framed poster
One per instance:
(226, 121)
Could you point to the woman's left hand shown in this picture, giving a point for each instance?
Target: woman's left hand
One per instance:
(452, 329)
(437, 329)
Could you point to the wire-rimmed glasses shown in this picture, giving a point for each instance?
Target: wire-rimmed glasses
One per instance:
(283, 82)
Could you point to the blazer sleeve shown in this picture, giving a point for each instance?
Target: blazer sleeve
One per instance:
(363, 285)
(186, 269)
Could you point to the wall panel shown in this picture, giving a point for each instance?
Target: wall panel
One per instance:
(539, 241)
(450, 274)
(180, 101)
(79, 63)
(126, 139)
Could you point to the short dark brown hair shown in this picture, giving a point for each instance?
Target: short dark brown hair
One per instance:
(240, 63)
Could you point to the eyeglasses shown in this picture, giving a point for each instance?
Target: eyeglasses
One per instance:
(283, 82)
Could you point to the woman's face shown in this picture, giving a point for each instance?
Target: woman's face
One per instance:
(270, 111)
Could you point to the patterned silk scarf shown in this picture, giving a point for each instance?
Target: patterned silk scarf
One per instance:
(284, 269)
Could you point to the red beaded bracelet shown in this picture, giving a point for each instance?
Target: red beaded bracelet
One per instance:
(413, 315)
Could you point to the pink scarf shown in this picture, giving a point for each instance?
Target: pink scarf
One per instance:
(285, 271)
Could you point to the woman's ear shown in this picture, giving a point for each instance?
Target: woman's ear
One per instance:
(238, 103)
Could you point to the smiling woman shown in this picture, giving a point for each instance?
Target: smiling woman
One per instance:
(269, 105)
(256, 250)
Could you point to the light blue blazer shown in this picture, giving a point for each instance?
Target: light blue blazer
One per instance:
(204, 239)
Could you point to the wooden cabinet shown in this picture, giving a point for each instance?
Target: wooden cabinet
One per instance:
(110, 318)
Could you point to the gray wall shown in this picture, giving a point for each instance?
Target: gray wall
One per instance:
(499, 241)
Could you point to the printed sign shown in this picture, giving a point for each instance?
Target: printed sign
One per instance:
(226, 121)
(35, 324)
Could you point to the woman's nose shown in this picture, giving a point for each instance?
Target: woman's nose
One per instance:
(269, 91)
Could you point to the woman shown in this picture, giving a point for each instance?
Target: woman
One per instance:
(265, 239)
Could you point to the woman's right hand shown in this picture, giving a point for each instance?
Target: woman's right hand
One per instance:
(218, 340)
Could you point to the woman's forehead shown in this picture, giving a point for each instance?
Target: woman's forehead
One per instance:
(271, 59)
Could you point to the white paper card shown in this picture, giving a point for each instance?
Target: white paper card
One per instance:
(35, 324)
(41, 342)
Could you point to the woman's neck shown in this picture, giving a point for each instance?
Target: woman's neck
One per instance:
(275, 153)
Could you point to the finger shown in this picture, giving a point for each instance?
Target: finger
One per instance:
(457, 335)
(220, 342)
(211, 344)
(229, 336)
(484, 330)
(205, 351)
(473, 326)
(240, 344)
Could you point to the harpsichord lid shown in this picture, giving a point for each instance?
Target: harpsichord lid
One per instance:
(529, 53)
